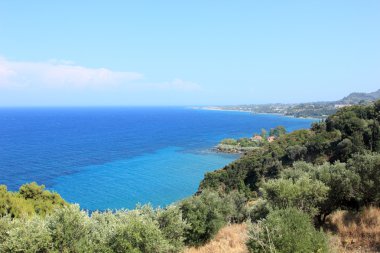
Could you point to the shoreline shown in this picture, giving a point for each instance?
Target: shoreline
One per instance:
(218, 109)
(251, 112)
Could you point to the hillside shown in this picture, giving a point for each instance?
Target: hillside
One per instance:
(360, 97)
(349, 233)
(311, 109)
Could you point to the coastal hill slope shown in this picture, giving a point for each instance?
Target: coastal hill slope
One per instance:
(360, 97)
(304, 110)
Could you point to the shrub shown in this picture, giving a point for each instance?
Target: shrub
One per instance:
(101, 227)
(25, 235)
(13, 205)
(138, 233)
(259, 210)
(302, 193)
(367, 166)
(205, 214)
(172, 226)
(229, 142)
(30, 199)
(284, 231)
(68, 227)
(343, 184)
(236, 202)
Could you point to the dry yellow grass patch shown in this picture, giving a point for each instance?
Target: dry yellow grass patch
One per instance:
(230, 239)
(356, 232)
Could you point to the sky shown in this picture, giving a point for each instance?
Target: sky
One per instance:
(206, 52)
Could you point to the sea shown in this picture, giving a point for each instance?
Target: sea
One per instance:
(117, 157)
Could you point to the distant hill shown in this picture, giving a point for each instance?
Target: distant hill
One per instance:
(360, 97)
(301, 110)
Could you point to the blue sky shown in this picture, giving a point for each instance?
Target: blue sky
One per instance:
(68, 53)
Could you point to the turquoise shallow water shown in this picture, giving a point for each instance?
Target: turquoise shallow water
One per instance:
(106, 158)
(160, 178)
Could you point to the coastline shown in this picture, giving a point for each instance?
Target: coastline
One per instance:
(211, 108)
(218, 109)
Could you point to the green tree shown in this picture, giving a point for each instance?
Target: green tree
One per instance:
(172, 226)
(26, 236)
(303, 193)
(229, 141)
(277, 131)
(138, 233)
(69, 229)
(367, 167)
(284, 231)
(29, 200)
(343, 186)
(206, 214)
(296, 152)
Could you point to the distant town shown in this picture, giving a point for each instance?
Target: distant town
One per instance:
(303, 110)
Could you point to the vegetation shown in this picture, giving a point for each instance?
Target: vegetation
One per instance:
(241, 145)
(355, 230)
(244, 145)
(193, 221)
(286, 230)
(68, 229)
(30, 199)
(352, 232)
(333, 166)
(289, 189)
(206, 214)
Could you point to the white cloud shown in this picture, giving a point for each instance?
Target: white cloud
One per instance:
(65, 75)
(55, 74)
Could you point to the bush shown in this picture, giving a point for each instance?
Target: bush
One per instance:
(205, 214)
(229, 142)
(236, 202)
(284, 231)
(25, 235)
(68, 227)
(30, 199)
(367, 166)
(101, 227)
(172, 226)
(342, 182)
(259, 210)
(137, 233)
(303, 193)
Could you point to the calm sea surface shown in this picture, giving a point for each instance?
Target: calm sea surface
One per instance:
(106, 158)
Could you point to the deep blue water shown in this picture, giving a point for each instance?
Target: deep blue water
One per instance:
(116, 157)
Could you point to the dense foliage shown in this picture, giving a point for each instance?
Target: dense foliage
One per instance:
(66, 228)
(69, 229)
(334, 165)
(30, 199)
(353, 130)
(284, 231)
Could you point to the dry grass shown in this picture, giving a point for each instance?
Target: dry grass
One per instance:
(356, 232)
(230, 239)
